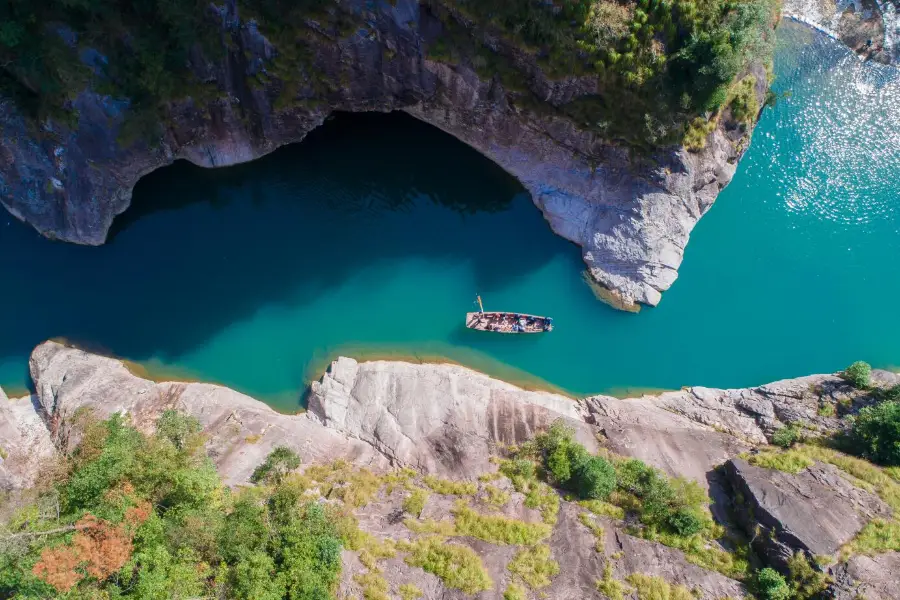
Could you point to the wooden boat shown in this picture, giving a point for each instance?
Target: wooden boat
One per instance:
(507, 322)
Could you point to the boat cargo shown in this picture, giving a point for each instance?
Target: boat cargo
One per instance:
(507, 322)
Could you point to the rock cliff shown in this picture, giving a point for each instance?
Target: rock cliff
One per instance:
(448, 421)
(871, 28)
(631, 215)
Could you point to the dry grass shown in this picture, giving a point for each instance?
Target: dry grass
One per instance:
(414, 504)
(444, 528)
(609, 586)
(450, 488)
(498, 529)
(535, 566)
(603, 509)
(790, 461)
(657, 588)
(495, 496)
(877, 537)
(374, 585)
(459, 567)
(409, 591)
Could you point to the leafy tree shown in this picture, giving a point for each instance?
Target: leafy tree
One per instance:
(876, 432)
(685, 522)
(594, 479)
(771, 585)
(858, 374)
(280, 461)
(177, 427)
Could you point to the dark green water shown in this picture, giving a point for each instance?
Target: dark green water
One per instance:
(372, 237)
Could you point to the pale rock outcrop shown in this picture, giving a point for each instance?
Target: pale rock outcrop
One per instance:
(815, 511)
(25, 444)
(746, 415)
(631, 216)
(435, 417)
(870, 577)
(242, 431)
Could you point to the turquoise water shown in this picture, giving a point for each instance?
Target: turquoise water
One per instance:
(372, 237)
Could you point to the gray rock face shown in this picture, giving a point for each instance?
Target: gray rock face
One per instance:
(24, 441)
(815, 511)
(872, 577)
(751, 415)
(439, 418)
(631, 217)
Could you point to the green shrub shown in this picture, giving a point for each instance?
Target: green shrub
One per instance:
(876, 432)
(771, 585)
(786, 436)
(684, 522)
(858, 374)
(806, 581)
(280, 461)
(571, 466)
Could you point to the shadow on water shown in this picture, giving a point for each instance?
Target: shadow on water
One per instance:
(200, 249)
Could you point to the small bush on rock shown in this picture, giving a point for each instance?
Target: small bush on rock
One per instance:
(786, 436)
(771, 585)
(685, 523)
(280, 461)
(876, 433)
(595, 479)
(858, 374)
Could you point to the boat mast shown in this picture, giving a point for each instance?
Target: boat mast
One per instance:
(480, 305)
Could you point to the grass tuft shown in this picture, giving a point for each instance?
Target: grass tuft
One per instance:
(792, 461)
(877, 537)
(535, 566)
(450, 488)
(498, 529)
(414, 504)
(609, 586)
(603, 509)
(459, 567)
(409, 591)
(656, 588)
(495, 496)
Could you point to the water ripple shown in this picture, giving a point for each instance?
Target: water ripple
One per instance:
(833, 161)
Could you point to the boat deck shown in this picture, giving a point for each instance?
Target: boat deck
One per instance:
(507, 322)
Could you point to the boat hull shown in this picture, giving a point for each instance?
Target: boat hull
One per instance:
(507, 322)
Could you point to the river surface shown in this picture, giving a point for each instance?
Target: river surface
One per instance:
(372, 237)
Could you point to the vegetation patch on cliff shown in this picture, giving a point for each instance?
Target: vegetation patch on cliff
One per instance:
(134, 516)
(657, 64)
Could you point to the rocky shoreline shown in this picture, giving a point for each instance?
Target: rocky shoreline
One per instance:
(448, 421)
(871, 28)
